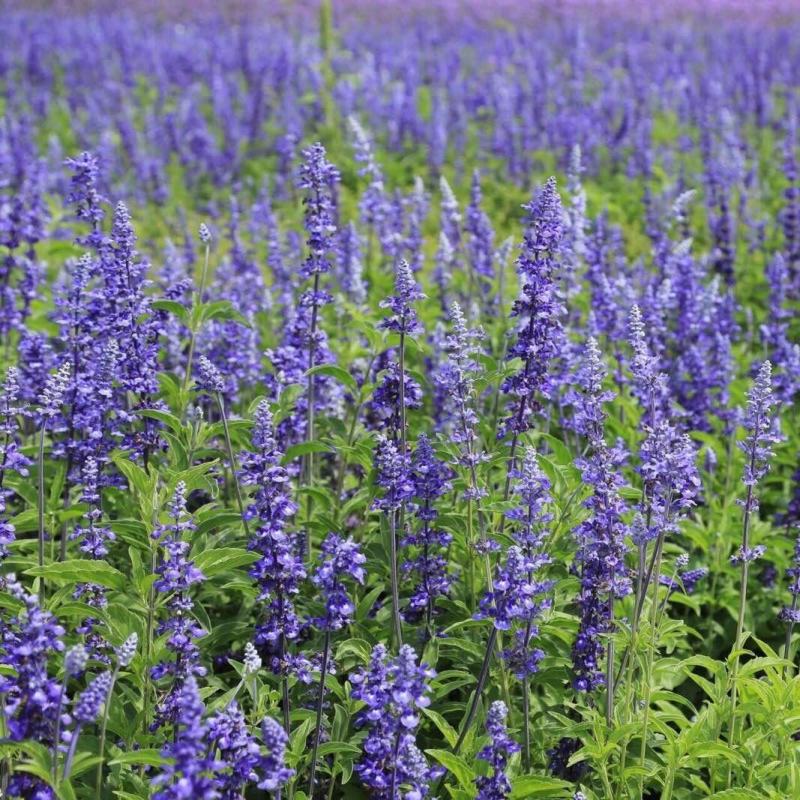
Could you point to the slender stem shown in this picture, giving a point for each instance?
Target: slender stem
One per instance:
(232, 460)
(610, 663)
(40, 498)
(320, 700)
(151, 614)
(98, 785)
(737, 645)
(526, 727)
(57, 732)
(396, 624)
(193, 337)
(788, 643)
(71, 752)
(402, 393)
(287, 724)
(476, 697)
(651, 652)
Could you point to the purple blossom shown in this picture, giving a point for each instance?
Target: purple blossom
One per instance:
(209, 378)
(177, 574)
(393, 691)
(273, 765)
(431, 480)
(497, 785)
(538, 309)
(279, 569)
(393, 475)
(188, 773)
(340, 559)
(403, 319)
(319, 178)
(601, 537)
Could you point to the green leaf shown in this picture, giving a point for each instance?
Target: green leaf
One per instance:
(445, 728)
(336, 748)
(81, 571)
(297, 450)
(455, 765)
(341, 375)
(172, 307)
(151, 757)
(540, 786)
(736, 794)
(221, 559)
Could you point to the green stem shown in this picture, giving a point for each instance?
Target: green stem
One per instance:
(232, 460)
(98, 786)
(320, 700)
(396, 624)
(40, 499)
(193, 337)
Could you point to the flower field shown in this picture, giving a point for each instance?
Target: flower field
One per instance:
(399, 401)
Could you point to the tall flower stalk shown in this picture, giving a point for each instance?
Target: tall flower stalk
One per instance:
(318, 177)
(341, 558)
(757, 448)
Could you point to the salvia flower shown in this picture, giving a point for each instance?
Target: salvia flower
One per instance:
(188, 771)
(404, 318)
(393, 691)
(538, 309)
(497, 785)
(235, 752)
(340, 559)
(52, 397)
(760, 430)
(209, 378)
(252, 660)
(393, 475)
(127, 650)
(273, 765)
(318, 177)
(601, 537)
(176, 575)
(431, 480)
(279, 569)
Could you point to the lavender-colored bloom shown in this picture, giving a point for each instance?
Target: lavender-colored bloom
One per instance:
(235, 752)
(341, 558)
(205, 234)
(94, 538)
(30, 696)
(393, 691)
(670, 480)
(319, 178)
(431, 480)
(279, 569)
(188, 773)
(176, 576)
(538, 309)
(456, 378)
(497, 785)
(52, 398)
(393, 475)
(273, 765)
(350, 264)
(75, 660)
(384, 406)
(760, 429)
(648, 382)
(209, 378)
(530, 519)
(127, 650)
(84, 195)
(601, 546)
(91, 700)
(404, 318)
(480, 245)
(511, 598)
